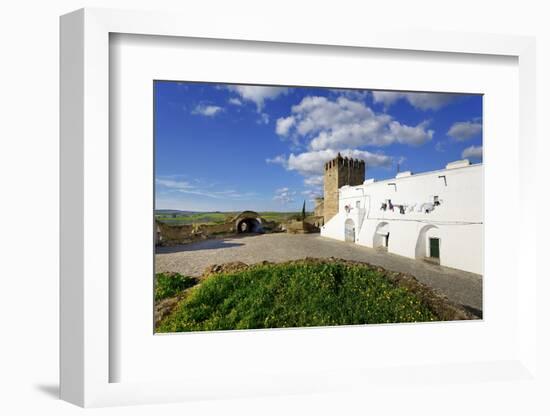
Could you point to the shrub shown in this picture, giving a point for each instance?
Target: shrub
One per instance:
(170, 284)
(295, 295)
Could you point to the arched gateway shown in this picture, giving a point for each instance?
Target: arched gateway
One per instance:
(248, 222)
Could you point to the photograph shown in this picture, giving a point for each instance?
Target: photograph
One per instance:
(283, 206)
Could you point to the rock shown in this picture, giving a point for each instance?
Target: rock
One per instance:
(165, 308)
(234, 266)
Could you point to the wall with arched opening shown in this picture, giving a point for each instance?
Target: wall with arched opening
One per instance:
(249, 225)
(381, 237)
(248, 222)
(422, 249)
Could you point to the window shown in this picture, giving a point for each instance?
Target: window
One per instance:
(357, 204)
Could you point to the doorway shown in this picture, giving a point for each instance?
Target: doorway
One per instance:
(349, 230)
(434, 248)
(381, 237)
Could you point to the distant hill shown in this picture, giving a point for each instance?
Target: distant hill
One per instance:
(174, 211)
(174, 216)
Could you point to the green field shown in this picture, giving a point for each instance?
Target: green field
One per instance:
(184, 217)
(293, 295)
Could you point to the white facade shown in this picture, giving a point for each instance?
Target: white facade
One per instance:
(434, 215)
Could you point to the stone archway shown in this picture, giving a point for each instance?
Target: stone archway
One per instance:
(248, 225)
(248, 222)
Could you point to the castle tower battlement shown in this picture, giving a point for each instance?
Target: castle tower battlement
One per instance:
(339, 172)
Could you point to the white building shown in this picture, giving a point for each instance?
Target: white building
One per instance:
(435, 216)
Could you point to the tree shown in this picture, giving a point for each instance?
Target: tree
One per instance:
(304, 210)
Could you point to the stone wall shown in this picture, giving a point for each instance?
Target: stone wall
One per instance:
(174, 234)
(300, 227)
(169, 235)
(319, 207)
(180, 234)
(271, 226)
(209, 229)
(317, 221)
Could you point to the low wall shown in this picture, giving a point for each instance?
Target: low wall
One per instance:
(168, 235)
(300, 227)
(271, 226)
(173, 234)
(209, 229)
(317, 221)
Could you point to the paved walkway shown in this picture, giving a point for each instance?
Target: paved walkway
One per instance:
(461, 287)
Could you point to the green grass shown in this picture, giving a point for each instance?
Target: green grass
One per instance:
(195, 218)
(170, 284)
(217, 217)
(295, 295)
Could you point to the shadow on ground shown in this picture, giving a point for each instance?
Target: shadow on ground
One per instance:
(473, 310)
(51, 390)
(202, 245)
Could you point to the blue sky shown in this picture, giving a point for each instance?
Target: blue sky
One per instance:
(221, 147)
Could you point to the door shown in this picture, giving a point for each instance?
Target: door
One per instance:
(434, 248)
(350, 231)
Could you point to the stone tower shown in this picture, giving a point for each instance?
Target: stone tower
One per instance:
(340, 171)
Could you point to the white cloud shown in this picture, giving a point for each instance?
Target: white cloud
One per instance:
(416, 135)
(325, 127)
(312, 194)
(235, 101)
(386, 97)
(279, 159)
(474, 152)
(343, 124)
(284, 195)
(201, 190)
(351, 94)
(419, 100)
(284, 124)
(207, 110)
(264, 118)
(464, 130)
(312, 163)
(429, 101)
(258, 94)
(315, 181)
(174, 184)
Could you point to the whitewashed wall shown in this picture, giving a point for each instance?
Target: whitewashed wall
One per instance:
(458, 221)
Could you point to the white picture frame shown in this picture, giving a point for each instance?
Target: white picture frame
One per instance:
(86, 356)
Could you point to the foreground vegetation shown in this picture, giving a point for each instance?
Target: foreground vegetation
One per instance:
(170, 284)
(295, 295)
